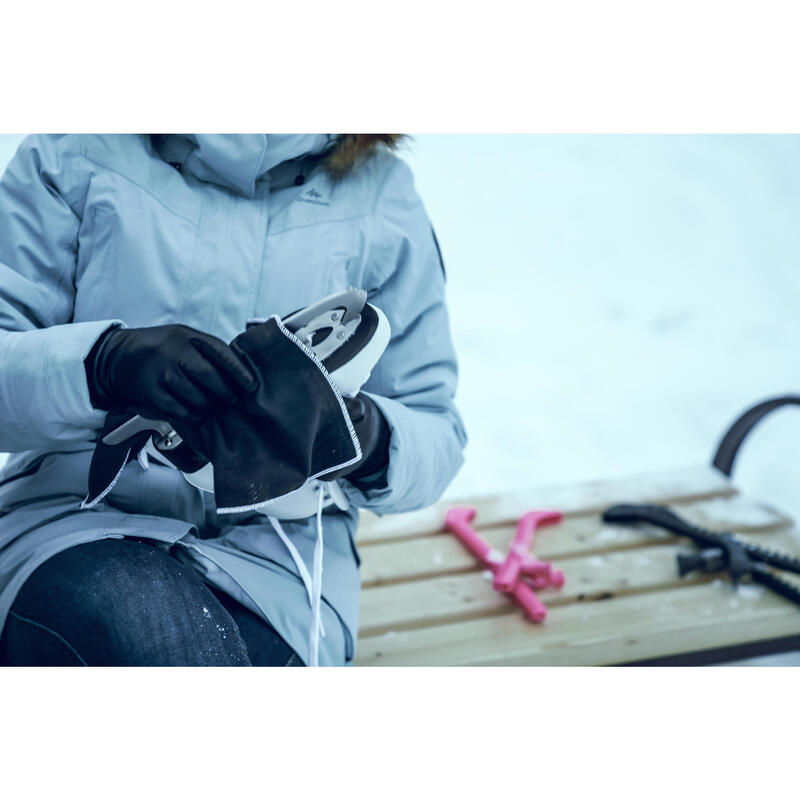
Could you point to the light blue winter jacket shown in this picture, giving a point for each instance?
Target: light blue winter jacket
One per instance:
(208, 231)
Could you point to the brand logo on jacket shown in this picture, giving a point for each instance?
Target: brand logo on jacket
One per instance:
(313, 196)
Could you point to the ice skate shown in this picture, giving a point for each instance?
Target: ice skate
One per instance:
(347, 335)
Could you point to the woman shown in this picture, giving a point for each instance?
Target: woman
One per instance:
(120, 244)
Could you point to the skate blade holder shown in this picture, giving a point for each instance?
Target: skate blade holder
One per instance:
(164, 436)
(519, 573)
(339, 314)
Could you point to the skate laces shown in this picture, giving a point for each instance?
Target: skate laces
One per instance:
(312, 582)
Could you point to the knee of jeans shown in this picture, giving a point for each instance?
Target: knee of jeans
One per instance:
(116, 578)
(128, 602)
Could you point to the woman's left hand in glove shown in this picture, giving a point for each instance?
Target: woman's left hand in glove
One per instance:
(374, 435)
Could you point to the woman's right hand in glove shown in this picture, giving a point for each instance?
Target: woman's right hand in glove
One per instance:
(170, 372)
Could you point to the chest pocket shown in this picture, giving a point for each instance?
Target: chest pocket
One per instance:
(135, 255)
(303, 264)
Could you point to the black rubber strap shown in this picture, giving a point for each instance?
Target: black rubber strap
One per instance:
(736, 434)
(773, 558)
(776, 584)
(662, 517)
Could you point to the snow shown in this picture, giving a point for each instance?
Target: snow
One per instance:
(8, 144)
(749, 591)
(616, 301)
(495, 556)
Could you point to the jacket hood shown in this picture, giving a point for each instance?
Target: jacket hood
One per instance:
(238, 161)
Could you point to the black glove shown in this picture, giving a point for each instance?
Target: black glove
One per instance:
(292, 426)
(170, 372)
(374, 435)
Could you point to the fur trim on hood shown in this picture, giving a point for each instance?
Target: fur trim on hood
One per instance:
(353, 149)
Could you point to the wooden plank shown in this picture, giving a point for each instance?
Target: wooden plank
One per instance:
(437, 601)
(499, 509)
(623, 629)
(426, 602)
(441, 554)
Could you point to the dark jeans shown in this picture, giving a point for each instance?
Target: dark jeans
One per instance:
(125, 602)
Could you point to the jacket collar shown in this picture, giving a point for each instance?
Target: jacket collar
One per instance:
(238, 161)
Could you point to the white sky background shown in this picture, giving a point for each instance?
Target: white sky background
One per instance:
(616, 301)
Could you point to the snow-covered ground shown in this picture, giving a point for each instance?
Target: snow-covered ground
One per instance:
(616, 301)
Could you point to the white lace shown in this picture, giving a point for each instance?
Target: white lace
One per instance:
(313, 582)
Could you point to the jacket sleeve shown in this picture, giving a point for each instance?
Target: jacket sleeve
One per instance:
(44, 397)
(414, 382)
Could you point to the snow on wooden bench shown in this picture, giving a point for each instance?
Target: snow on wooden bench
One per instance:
(425, 600)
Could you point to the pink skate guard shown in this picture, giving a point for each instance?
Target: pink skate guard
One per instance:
(508, 574)
(530, 573)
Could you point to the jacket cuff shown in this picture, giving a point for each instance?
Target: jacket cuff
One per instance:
(414, 472)
(66, 348)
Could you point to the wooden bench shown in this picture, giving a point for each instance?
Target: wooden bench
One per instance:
(425, 601)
